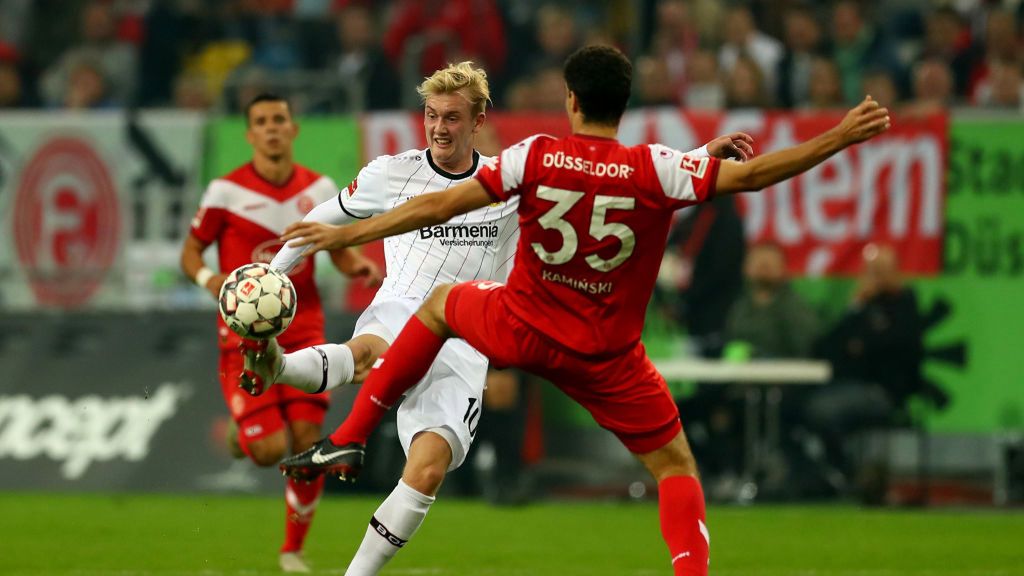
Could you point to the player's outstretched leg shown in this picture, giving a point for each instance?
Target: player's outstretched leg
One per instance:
(402, 513)
(400, 368)
(314, 369)
(681, 506)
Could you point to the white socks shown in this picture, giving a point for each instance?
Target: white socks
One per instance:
(318, 368)
(392, 525)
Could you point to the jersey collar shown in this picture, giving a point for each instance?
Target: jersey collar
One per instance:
(449, 175)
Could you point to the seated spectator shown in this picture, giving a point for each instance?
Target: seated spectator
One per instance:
(769, 316)
(425, 35)
(876, 352)
(803, 42)
(744, 86)
(674, 39)
(191, 92)
(948, 38)
(366, 80)
(704, 88)
(86, 87)
(826, 86)
(11, 92)
(653, 84)
(1002, 42)
(881, 86)
(742, 38)
(1003, 88)
(549, 90)
(99, 44)
(932, 89)
(859, 46)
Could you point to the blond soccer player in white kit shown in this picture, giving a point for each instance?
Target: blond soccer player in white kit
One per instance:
(438, 418)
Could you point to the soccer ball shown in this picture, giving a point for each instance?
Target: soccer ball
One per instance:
(257, 302)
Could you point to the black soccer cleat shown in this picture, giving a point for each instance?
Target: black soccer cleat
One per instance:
(345, 462)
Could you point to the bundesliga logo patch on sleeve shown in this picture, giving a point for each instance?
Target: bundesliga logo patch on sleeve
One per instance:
(695, 166)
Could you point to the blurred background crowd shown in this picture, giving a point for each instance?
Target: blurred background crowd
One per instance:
(343, 56)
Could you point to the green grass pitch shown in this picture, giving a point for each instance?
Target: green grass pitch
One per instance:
(205, 535)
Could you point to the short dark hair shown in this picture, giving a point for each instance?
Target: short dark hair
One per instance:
(265, 97)
(601, 78)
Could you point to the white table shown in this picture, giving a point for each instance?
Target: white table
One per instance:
(763, 381)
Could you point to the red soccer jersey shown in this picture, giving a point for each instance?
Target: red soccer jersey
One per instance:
(594, 217)
(245, 215)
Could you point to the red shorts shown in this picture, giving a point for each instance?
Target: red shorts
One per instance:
(263, 415)
(625, 394)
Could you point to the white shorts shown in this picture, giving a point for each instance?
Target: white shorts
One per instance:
(448, 399)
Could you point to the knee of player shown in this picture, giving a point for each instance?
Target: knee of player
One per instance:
(304, 438)
(268, 451)
(426, 478)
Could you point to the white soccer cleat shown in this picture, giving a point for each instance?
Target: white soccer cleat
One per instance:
(293, 562)
(263, 361)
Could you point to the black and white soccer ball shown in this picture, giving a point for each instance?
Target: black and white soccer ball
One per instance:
(257, 302)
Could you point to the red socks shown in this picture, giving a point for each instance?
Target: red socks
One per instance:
(681, 507)
(300, 500)
(400, 368)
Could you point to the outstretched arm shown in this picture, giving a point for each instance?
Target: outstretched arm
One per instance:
(423, 210)
(865, 121)
(327, 212)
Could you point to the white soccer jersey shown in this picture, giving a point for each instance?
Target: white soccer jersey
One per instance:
(479, 245)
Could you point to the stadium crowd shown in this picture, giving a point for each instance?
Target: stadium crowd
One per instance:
(336, 56)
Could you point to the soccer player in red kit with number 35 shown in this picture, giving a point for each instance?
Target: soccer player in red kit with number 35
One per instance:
(594, 216)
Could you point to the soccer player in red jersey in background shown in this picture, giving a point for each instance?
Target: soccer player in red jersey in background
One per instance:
(245, 213)
(594, 216)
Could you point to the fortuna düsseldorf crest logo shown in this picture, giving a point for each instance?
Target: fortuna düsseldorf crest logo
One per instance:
(67, 222)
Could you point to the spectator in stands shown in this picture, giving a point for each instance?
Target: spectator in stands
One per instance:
(858, 46)
(881, 86)
(803, 42)
(769, 315)
(86, 86)
(1004, 86)
(98, 44)
(709, 242)
(191, 92)
(557, 35)
(549, 90)
(653, 85)
(1002, 42)
(425, 35)
(704, 88)
(675, 39)
(770, 320)
(743, 39)
(947, 38)
(745, 87)
(11, 91)
(932, 88)
(366, 80)
(876, 351)
(826, 86)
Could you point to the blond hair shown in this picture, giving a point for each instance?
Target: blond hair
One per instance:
(462, 78)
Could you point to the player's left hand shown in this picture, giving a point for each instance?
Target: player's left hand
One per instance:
(737, 145)
(355, 265)
(315, 236)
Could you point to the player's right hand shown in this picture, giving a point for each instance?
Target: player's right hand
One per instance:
(315, 236)
(867, 120)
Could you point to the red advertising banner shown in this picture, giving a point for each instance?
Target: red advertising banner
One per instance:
(889, 191)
